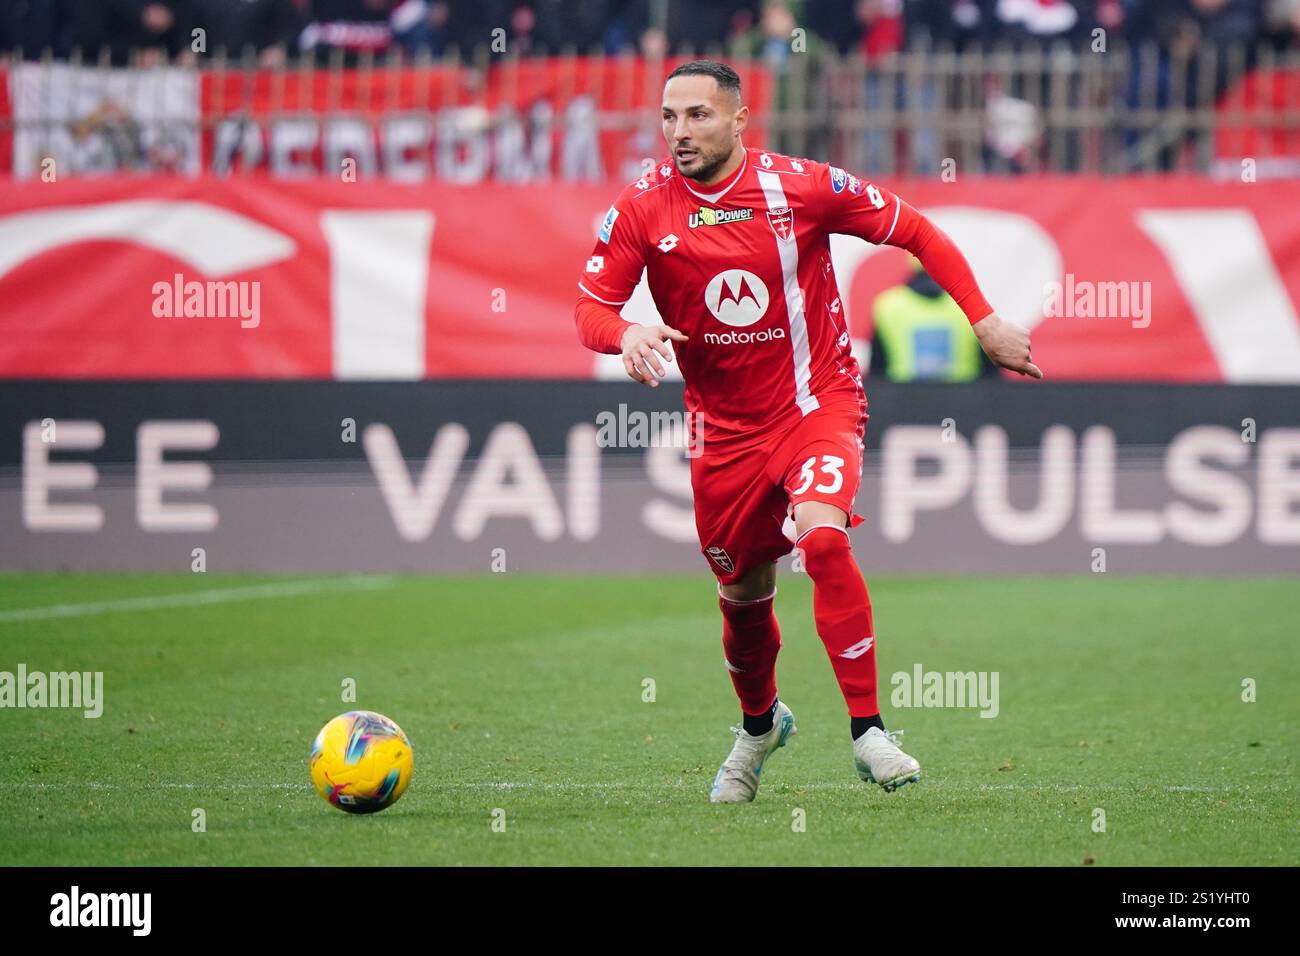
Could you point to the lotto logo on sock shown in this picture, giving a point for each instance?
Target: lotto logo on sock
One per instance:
(922, 688)
(858, 649)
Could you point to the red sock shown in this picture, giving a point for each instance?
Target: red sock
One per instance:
(750, 640)
(842, 610)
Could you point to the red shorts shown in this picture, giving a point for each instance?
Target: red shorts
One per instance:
(742, 500)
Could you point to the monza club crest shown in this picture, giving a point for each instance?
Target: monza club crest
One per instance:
(782, 223)
(720, 557)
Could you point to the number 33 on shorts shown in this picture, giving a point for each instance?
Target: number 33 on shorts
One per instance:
(831, 469)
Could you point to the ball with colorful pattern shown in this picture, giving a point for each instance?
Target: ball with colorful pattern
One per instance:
(361, 762)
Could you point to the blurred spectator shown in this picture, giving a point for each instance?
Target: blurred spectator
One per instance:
(35, 26)
(921, 335)
(830, 20)
(350, 27)
(882, 26)
(1012, 129)
(533, 26)
(563, 24)
(1174, 24)
(1282, 23)
(1040, 21)
(1228, 21)
(705, 24)
(155, 28)
(933, 23)
(1182, 33)
(269, 27)
(772, 38)
(914, 148)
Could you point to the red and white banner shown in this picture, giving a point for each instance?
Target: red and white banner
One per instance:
(576, 119)
(1143, 279)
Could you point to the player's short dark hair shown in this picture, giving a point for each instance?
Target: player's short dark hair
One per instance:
(728, 79)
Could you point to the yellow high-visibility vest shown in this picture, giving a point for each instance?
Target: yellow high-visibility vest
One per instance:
(925, 338)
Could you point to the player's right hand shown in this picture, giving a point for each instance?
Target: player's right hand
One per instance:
(643, 346)
(1006, 344)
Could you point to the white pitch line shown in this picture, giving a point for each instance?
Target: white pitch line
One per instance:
(546, 787)
(196, 598)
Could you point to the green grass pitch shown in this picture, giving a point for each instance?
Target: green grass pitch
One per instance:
(524, 695)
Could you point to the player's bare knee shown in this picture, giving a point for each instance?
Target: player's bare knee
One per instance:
(756, 583)
(813, 514)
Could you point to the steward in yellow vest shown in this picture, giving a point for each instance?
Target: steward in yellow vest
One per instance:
(921, 335)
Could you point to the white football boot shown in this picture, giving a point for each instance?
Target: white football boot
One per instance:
(737, 778)
(878, 759)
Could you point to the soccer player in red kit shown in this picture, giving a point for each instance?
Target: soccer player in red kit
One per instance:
(736, 246)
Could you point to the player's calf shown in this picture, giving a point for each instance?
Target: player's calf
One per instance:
(842, 611)
(751, 640)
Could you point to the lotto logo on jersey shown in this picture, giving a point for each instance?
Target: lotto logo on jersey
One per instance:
(736, 297)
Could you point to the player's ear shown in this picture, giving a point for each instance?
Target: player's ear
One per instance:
(742, 119)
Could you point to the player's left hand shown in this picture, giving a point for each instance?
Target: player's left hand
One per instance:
(1006, 344)
(643, 347)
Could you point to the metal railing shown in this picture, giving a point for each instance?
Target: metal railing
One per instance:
(921, 112)
(1040, 110)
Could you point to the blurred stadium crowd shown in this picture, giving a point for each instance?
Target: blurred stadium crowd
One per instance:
(279, 30)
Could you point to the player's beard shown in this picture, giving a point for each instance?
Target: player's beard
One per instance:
(710, 164)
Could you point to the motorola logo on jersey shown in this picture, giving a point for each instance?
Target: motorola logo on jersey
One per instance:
(743, 338)
(736, 297)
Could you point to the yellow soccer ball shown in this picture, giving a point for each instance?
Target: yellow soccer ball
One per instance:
(361, 762)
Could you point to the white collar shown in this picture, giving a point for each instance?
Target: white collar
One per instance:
(714, 197)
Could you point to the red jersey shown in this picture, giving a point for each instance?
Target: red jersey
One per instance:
(743, 268)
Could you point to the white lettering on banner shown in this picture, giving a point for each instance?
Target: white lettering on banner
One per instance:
(400, 139)
(1225, 502)
(40, 476)
(904, 491)
(459, 144)
(1279, 486)
(155, 475)
(1218, 512)
(1100, 520)
(414, 508)
(292, 143)
(669, 472)
(1215, 488)
(1055, 483)
(507, 481)
(582, 489)
(350, 139)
